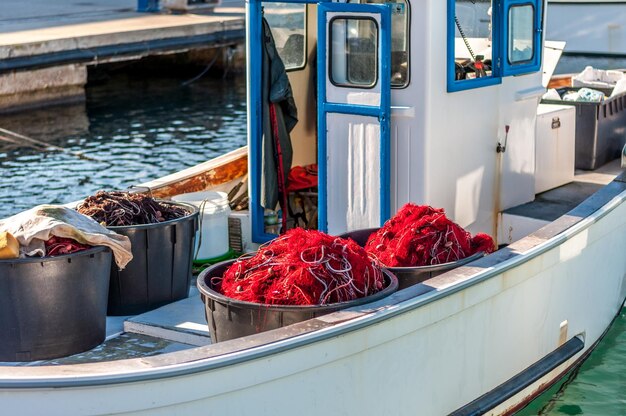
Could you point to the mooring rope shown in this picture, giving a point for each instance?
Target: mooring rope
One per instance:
(43, 146)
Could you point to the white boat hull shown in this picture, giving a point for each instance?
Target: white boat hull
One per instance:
(427, 354)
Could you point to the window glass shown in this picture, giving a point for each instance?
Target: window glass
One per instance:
(288, 24)
(520, 42)
(473, 39)
(399, 40)
(354, 52)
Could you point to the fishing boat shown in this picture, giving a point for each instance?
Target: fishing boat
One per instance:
(590, 28)
(433, 103)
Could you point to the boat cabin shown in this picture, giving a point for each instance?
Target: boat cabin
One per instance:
(431, 103)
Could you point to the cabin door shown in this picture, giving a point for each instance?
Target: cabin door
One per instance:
(353, 116)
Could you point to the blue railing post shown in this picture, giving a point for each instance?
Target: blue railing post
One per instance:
(254, 65)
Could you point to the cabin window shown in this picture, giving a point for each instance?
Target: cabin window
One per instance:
(489, 39)
(400, 19)
(354, 52)
(288, 24)
(472, 44)
(523, 35)
(520, 42)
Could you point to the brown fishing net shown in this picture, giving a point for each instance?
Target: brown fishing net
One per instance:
(114, 209)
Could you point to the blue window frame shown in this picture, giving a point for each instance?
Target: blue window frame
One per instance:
(510, 30)
(474, 33)
(522, 36)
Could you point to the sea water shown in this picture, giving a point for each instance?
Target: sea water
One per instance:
(129, 130)
(597, 387)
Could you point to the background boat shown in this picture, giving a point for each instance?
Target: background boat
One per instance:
(588, 27)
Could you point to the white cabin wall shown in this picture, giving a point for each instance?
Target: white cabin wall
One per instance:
(518, 108)
(408, 118)
(454, 135)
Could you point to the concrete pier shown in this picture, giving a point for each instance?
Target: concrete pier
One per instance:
(45, 46)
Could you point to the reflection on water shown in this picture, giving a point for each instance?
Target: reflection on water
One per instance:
(597, 388)
(139, 130)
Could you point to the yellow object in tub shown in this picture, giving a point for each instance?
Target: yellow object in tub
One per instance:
(9, 247)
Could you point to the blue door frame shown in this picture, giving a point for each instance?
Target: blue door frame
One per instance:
(382, 112)
(255, 110)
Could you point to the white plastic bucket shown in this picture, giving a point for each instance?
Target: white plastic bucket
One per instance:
(213, 229)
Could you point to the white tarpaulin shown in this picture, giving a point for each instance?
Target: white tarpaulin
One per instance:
(33, 227)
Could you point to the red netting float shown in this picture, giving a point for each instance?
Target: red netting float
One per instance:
(56, 246)
(420, 235)
(303, 267)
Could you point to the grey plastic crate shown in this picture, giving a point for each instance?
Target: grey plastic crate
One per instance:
(600, 129)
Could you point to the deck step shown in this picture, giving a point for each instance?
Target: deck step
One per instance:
(182, 321)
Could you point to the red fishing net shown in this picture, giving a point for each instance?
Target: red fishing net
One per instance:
(303, 267)
(55, 246)
(420, 235)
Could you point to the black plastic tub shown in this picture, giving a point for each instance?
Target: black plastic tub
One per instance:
(409, 276)
(161, 269)
(600, 129)
(52, 307)
(229, 318)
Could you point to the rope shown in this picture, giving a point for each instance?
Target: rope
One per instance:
(282, 189)
(201, 74)
(467, 45)
(230, 52)
(47, 147)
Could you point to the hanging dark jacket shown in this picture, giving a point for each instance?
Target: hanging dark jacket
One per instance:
(277, 90)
